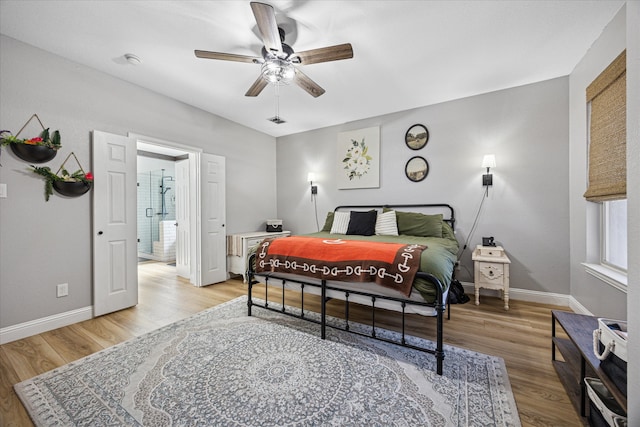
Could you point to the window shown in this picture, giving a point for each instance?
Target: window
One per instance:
(606, 100)
(613, 252)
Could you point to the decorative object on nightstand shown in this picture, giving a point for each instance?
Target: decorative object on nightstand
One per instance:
(491, 271)
(238, 246)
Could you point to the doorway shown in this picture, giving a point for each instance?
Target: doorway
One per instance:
(195, 200)
(157, 184)
(156, 213)
(114, 158)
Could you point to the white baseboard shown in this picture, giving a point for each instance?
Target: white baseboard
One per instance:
(578, 308)
(550, 298)
(38, 326)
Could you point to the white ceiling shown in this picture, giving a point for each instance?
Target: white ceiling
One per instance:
(407, 54)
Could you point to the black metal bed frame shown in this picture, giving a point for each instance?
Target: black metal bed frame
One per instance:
(439, 304)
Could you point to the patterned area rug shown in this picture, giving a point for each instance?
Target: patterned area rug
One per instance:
(221, 367)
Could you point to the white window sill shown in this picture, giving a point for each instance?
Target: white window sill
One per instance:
(608, 275)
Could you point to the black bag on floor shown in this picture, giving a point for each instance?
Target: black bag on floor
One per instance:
(456, 293)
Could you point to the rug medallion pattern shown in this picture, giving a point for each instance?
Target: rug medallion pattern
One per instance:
(221, 367)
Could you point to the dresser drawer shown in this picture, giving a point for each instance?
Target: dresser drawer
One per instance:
(252, 242)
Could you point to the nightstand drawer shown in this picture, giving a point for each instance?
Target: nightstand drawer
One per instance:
(491, 251)
(491, 272)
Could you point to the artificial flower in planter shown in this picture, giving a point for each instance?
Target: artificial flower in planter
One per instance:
(39, 149)
(68, 184)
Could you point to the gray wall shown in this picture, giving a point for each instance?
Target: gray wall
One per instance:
(527, 210)
(43, 243)
(594, 294)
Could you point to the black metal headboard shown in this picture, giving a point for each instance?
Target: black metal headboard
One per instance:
(447, 211)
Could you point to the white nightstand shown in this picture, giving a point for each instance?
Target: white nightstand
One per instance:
(238, 246)
(491, 271)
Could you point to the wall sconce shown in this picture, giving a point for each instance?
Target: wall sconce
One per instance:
(488, 161)
(314, 188)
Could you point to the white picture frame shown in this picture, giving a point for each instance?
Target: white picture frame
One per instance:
(358, 161)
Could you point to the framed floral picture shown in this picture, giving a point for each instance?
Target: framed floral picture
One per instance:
(359, 158)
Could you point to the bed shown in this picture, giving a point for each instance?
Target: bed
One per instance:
(396, 257)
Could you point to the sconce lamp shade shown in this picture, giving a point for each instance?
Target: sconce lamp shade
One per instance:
(311, 177)
(489, 161)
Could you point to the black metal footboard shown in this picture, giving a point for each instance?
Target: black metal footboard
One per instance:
(272, 279)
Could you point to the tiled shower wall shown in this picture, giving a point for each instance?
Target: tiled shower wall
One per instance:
(150, 209)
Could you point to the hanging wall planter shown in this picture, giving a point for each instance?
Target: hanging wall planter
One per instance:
(65, 184)
(33, 153)
(40, 149)
(71, 189)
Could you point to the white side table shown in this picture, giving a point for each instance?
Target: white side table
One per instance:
(238, 246)
(491, 271)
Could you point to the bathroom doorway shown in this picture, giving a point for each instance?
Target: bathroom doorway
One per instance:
(192, 213)
(156, 216)
(156, 203)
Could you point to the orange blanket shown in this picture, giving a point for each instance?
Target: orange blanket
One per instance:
(393, 265)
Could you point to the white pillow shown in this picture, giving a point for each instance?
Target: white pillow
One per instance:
(340, 222)
(386, 224)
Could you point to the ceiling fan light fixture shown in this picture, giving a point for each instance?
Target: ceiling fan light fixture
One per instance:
(278, 71)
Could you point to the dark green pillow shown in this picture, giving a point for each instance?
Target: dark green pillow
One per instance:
(328, 223)
(417, 224)
(447, 231)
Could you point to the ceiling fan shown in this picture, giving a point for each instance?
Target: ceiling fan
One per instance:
(278, 58)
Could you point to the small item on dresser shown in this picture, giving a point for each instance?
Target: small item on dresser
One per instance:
(274, 225)
(610, 347)
(604, 410)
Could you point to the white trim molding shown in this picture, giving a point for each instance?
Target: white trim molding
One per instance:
(44, 324)
(610, 276)
(575, 305)
(550, 298)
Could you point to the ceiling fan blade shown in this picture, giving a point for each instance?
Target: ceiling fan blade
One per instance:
(266, 20)
(227, 56)
(325, 54)
(257, 87)
(307, 84)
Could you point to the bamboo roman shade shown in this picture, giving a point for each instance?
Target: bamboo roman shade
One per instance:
(607, 95)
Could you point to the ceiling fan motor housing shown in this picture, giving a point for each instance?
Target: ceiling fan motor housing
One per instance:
(287, 51)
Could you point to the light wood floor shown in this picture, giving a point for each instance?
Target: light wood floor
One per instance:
(522, 336)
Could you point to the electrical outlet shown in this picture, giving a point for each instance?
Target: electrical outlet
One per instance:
(62, 290)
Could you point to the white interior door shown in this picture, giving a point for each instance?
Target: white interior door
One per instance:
(183, 242)
(115, 274)
(212, 266)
